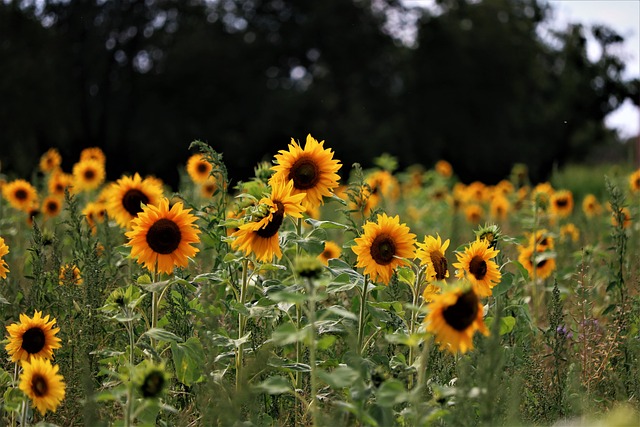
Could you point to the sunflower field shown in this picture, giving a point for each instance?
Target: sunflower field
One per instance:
(300, 298)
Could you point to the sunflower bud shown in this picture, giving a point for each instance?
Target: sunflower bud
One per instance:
(307, 266)
(490, 233)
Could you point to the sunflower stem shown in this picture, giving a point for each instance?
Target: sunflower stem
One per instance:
(23, 413)
(154, 305)
(312, 352)
(298, 225)
(241, 321)
(363, 313)
(412, 324)
(16, 369)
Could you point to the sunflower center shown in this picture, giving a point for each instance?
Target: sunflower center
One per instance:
(59, 188)
(132, 199)
(202, 168)
(478, 267)
(541, 263)
(273, 226)
(21, 194)
(89, 174)
(164, 236)
(33, 340)
(383, 249)
(439, 264)
(153, 384)
(39, 385)
(304, 173)
(561, 203)
(52, 206)
(463, 313)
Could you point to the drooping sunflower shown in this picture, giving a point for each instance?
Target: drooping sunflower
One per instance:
(476, 265)
(58, 182)
(94, 213)
(20, 194)
(127, 195)
(443, 168)
(50, 161)
(32, 337)
(51, 206)
(431, 253)
(161, 238)
(4, 268)
(542, 259)
(562, 203)
(331, 250)
(453, 318)
(590, 206)
(88, 175)
(93, 153)
(41, 382)
(70, 274)
(260, 236)
(382, 245)
(198, 168)
(312, 169)
(634, 181)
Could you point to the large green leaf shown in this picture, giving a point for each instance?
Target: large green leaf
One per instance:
(188, 359)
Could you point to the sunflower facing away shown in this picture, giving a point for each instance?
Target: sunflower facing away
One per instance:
(476, 265)
(161, 238)
(20, 194)
(453, 318)
(32, 338)
(88, 175)
(198, 168)
(312, 169)
(545, 264)
(4, 268)
(382, 245)
(261, 236)
(127, 195)
(41, 382)
(331, 250)
(50, 161)
(431, 254)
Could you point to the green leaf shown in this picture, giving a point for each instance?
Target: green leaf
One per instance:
(325, 224)
(391, 393)
(326, 341)
(162, 335)
(507, 324)
(155, 286)
(406, 275)
(341, 377)
(287, 334)
(505, 284)
(342, 312)
(274, 385)
(286, 296)
(188, 359)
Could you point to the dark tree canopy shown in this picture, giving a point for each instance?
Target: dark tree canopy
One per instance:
(481, 87)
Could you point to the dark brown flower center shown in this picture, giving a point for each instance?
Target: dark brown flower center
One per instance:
(304, 173)
(478, 267)
(39, 385)
(202, 167)
(152, 385)
(89, 174)
(463, 313)
(541, 263)
(439, 264)
(21, 194)
(33, 340)
(383, 249)
(561, 203)
(164, 236)
(132, 199)
(273, 226)
(59, 188)
(52, 207)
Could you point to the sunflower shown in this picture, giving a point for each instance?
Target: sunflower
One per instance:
(198, 168)
(331, 250)
(161, 238)
(634, 181)
(383, 183)
(474, 213)
(150, 379)
(541, 194)
(261, 236)
(208, 188)
(562, 203)
(312, 169)
(88, 175)
(382, 246)
(476, 264)
(545, 264)
(94, 213)
(431, 253)
(504, 188)
(33, 213)
(93, 153)
(444, 168)
(51, 206)
(453, 318)
(541, 239)
(41, 382)
(430, 291)
(4, 268)
(570, 231)
(127, 195)
(50, 161)
(58, 182)
(590, 206)
(20, 194)
(70, 274)
(625, 215)
(32, 338)
(477, 191)
(499, 207)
